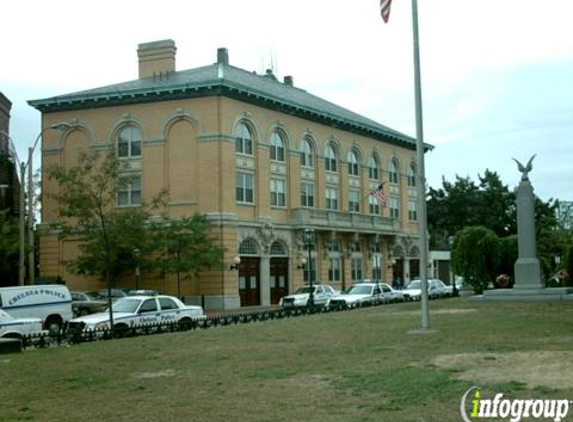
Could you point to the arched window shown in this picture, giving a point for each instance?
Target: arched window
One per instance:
(373, 167)
(393, 172)
(277, 147)
(411, 176)
(353, 163)
(129, 142)
(307, 154)
(248, 247)
(243, 140)
(330, 161)
(278, 248)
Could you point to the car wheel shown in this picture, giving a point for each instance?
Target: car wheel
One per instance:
(84, 312)
(120, 330)
(54, 325)
(184, 324)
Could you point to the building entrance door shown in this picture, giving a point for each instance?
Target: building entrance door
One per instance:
(278, 279)
(249, 282)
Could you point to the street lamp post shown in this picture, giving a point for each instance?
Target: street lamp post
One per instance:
(309, 241)
(29, 164)
(137, 254)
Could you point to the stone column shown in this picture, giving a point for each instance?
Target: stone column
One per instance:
(265, 279)
(406, 276)
(527, 268)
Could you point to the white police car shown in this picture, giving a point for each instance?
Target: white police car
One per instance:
(139, 311)
(11, 327)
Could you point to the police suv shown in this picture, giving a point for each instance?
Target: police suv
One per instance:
(131, 312)
(52, 303)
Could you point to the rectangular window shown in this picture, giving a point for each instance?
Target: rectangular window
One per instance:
(373, 173)
(356, 268)
(244, 188)
(331, 198)
(129, 193)
(244, 146)
(334, 270)
(354, 200)
(413, 211)
(373, 205)
(278, 193)
(307, 195)
(330, 164)
(310, 270)
(377, 267)
(394, 208)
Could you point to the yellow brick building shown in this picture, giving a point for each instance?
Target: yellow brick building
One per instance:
(264, 160)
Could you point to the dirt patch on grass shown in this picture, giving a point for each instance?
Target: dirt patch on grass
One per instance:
(453, 311)
(168, 373)
(551, 369)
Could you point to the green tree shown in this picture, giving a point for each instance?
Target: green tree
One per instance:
(9, 249)
(450, 209)
(508, 254)
(86, 207)
(186, 247)
(476, 257)
(496, 209)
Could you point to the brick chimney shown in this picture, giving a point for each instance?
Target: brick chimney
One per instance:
(223, 55)
(156, 59)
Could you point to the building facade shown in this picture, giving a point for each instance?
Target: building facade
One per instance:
(264, 160)
(9, 182)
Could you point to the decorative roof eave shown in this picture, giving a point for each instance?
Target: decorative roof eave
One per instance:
(224, 88)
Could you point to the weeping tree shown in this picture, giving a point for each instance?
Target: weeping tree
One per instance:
(476, 256)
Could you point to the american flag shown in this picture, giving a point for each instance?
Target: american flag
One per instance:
(380, 196)
(385, 9)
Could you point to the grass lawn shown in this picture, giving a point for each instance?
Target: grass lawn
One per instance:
(356, 366)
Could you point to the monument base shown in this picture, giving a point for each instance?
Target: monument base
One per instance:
(521, 294)
(528, 274)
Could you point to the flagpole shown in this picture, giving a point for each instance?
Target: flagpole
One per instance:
(425, 323)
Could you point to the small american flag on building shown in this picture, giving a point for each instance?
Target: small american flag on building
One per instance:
(380, 196)
(385, 9)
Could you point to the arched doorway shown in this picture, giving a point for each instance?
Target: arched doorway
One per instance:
(278, 271)
(249, 274)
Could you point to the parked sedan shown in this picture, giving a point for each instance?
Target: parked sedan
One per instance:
(360, 294)
(321, 293)
(133, 311)
(11, 327)
(85, 303)
(436, 289)
(395, 295)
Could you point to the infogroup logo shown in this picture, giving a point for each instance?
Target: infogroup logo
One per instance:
(474, 407)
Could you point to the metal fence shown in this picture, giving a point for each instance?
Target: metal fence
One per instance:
(70, 336)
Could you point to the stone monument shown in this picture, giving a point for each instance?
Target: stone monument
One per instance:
(527, 268)
(529, 284)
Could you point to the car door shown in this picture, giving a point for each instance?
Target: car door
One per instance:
(386, 294)
(319, 296)
(169, 310)
(148, 312)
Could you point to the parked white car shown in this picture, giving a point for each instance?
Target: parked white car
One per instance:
(361, 293)
(134, 311)
(436, 289)
(11, 327)
(321, 292)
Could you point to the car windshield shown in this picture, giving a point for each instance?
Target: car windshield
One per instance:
(126, 305)
(414, 285)
(303, 290)
(359, 290)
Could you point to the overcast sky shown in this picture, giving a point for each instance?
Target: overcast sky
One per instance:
(497, 78)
